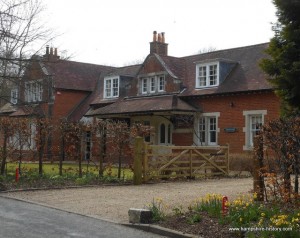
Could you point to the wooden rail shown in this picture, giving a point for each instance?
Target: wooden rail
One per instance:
(184, 161)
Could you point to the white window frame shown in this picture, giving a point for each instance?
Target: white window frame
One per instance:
(34, 91)
(111, 87)
(207, 128)
(247, 129)
(161, 83)
(144, 85)
(14, 96)
(207, 76)
(152, 84)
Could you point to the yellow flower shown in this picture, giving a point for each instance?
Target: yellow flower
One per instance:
(241, 219)
(262, 214)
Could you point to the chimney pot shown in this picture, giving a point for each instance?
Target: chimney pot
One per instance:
(55, 51)
(159, 37)
(154, 36)
(47, 49)
(51, 51)
(163, 37)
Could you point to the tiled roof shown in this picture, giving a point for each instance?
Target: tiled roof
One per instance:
(30, 110)
(7, 109)
(174, 66)
(145, 105)
(245, 76)
(75, 75)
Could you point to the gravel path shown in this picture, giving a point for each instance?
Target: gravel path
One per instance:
(113, 202)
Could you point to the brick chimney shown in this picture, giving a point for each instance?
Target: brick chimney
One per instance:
(158, 45)
(51, 55)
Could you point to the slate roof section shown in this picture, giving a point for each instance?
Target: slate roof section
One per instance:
(28, 110)
(74, 75)
(7, 109)
(245, 76)
(174, 66)
(144, 105)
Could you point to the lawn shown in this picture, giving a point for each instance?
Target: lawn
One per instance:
(52, 169)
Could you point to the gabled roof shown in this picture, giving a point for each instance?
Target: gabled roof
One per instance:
(74, 75)
(174, 66)
(144, 105)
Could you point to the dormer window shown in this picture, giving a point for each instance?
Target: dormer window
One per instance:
(34, 91)
(207, 75)
(111, 87)
(152, 84)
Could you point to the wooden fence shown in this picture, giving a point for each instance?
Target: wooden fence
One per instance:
(157, 162)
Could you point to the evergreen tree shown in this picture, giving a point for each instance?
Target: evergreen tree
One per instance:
(283, 66)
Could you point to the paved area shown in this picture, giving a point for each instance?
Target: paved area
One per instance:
(113, 202)
(20, 219)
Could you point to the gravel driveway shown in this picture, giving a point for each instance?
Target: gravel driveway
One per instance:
(113, 202)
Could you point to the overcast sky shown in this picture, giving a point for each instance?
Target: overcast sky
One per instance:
(118, 32)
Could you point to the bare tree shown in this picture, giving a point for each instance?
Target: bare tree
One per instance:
(21, 31)
(207, 50)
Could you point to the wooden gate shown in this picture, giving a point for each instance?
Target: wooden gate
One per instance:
(184, 161)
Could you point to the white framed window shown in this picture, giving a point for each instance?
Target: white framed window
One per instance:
(207, 75)
(14, 96)
(161, 83)
(145, 85)
(207, 129)
(152, 84)
(111, 87)
(254, 119)
(34, 91)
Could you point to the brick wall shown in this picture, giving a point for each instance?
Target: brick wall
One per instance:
(231, 115)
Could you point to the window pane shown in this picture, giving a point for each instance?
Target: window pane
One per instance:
(40, 91)
(202, 130)
(255, 125)
(108, 88)
(115, 87)
(212, 130)
(152, 82)
(145, 85)
(161, 83)
(14, 96)
(202, 76)
(212, 75)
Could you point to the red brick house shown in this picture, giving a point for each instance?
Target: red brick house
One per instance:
(54, 88)
(207, 99)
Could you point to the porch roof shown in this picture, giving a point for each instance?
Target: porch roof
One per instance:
(145, 105)
(28, 110)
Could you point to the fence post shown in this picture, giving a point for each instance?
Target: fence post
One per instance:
(138, 156)
(145, 164)
(227, 158)
(258, 179)
(191, 164)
